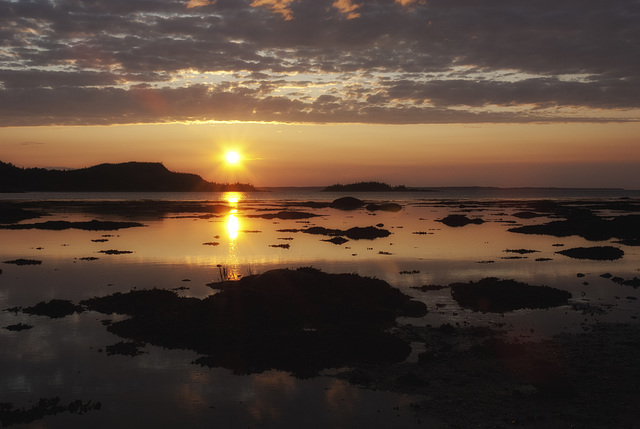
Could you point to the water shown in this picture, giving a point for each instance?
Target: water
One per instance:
(316, 194)
(66, 358)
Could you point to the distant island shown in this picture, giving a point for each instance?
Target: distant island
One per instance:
(366, 187)
(124, 177)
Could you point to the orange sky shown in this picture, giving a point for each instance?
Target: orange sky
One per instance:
(313, 92)
(299, 155)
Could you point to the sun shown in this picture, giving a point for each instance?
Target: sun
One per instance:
(232, 157)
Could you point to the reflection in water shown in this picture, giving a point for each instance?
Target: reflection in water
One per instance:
(232, 198)
(233, 227)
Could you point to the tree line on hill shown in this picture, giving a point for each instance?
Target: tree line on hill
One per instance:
(124, 177)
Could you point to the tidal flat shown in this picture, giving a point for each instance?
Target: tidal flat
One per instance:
(394, 310)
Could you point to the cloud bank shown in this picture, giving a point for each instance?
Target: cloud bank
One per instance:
(87, 62)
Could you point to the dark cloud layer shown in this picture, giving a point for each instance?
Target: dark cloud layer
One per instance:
(371, 61)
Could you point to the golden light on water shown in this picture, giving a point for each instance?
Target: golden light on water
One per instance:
(233, 225)
(233, 198)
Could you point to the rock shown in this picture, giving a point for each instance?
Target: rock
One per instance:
(497, 296)
(285, 215)
(10, 213)
(347, 203)
(18, 327)
(355, 233)
(301, 321)
(24, 262)
(55, 309)
(460, 220)
(337, 240)
(527, 215)
(115, 252)
(387, 207)
(61, 225)
(589, 226)
(599, 253)
(125, 348)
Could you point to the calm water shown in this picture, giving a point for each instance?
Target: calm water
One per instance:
(62, 357)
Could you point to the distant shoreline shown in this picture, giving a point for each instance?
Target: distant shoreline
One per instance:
(123, 177)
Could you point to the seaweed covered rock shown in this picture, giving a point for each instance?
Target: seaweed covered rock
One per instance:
(22, 261)
(597, 253)
(285, 215)
(347, 203)
(11, 213)
(385, 207)
(56, 308)
(460, 220)
(355, 233)
(61, 225)
(497, 296)
(589, 226)
(300, 321)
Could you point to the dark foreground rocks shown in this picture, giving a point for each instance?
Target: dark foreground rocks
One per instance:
(56, 308)
(10, 415)
(11, 213)
(301, 321)
(480, 378)
(589, 226)
(285, 215)
(355, 233)
(347, 203)
(597, 253)
(61, 225)
(23, 262)
(497, 296)
(460, 220)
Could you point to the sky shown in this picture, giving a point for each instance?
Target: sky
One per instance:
(316, 92)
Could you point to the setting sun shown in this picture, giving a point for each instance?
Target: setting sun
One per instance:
(232, 157)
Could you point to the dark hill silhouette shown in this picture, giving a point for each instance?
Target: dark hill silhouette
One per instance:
(125, 177)
(365, 187)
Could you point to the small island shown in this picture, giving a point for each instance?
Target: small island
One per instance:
(123, 177)
(367, 187)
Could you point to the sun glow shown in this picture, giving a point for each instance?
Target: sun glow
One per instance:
(232, 157)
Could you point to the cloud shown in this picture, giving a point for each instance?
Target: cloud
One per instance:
(372, 61)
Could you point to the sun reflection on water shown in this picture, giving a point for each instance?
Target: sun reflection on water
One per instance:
(233, 225)
(233, 228)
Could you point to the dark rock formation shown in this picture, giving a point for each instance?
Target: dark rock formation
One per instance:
(24, 262)
(527, 215)
(125, 348)
(589, 226)
(497, 296)
(18, 327)
(598, 253)
(10, 213)
(355, 233)
(386, 207)
(9, 415)
(127, 177)
(115, 252)
(56, 308)
(366, 187)
(460, 220)
(285, 215)
(61, 225)
(300, 321)
(347, 203)
(337, 240)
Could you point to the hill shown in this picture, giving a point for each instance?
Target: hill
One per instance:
(366, 187)
(124, 177)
